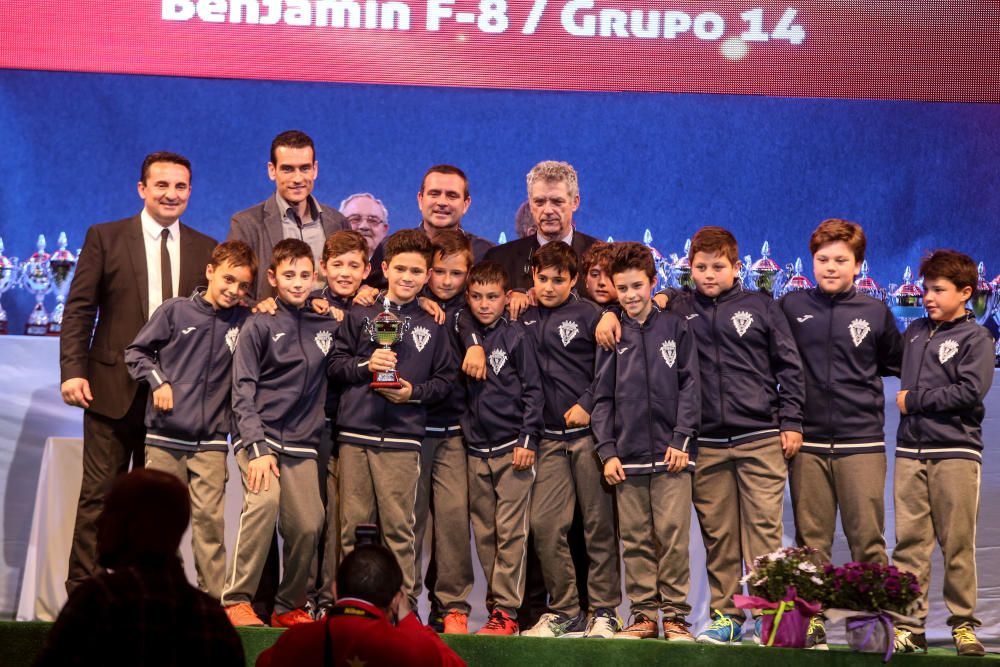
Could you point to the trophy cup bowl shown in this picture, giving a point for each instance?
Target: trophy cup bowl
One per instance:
(680, 269)
(62, 267)
(907, 302)
(36, 278)
(767, 275)
(385, 329)
(8, 280)
(797, 282)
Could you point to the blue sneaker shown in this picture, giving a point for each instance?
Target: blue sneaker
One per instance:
(725, 629)
(758, 637)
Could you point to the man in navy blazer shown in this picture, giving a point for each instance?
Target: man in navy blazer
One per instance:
(292, 212)
(120, 279)
(553, 197)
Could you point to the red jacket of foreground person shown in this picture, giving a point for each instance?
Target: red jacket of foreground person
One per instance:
(357, 634)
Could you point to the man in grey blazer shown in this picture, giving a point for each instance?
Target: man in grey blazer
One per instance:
(126, 269)
(292, 212)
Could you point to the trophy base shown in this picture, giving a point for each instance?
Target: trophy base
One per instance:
(55, 328)
(385, 380)
(3, 327)
(36, 329)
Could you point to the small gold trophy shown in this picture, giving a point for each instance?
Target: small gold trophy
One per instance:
(386, 329)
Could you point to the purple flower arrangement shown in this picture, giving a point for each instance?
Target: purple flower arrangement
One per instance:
(869, 587)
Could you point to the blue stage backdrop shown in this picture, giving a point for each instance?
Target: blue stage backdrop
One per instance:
(916, 175)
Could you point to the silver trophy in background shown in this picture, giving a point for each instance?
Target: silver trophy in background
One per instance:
(907, 301)
(765, 274)
(680, 268)
(662, 264)
(62, 267)
(797, 282)
(984, 298)
(8, 279)
(867, 285)
(36, 277)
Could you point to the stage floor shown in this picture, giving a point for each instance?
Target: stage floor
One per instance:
(22, 641)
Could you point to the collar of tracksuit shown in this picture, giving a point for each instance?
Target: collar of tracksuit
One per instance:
(834, 298)
(634, 324)
(733, 292)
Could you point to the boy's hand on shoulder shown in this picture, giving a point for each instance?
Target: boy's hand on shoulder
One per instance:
(257, 471)
(268, 306)
(576, 417)
(524, 458)
(608, 332)
(660, 300)
(337, 314)
(401, 395)
(791, 442)
(474, 364)
(366, 295)
(382, 360)
(517, 303)
(432, 308)
(163, 398)
(676, 460)
(901, 401)
(320, 306)
(614, 473)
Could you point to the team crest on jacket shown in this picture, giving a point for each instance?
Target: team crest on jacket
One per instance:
(741, 321)
(859, 329)
(231, 336)
(323, 340)
(568, 331)
(421, 336)
(497, 360)
(669, 352)
(947, 350)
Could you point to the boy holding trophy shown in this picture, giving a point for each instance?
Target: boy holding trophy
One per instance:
(392, 360)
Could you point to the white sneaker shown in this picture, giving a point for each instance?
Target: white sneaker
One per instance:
(552, 625)
(603, 626)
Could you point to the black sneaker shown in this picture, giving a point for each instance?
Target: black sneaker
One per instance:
(436, 621)
(908, 641)
(966, 642)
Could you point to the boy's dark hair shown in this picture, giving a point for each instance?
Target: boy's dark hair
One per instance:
(237, 253)
(715, 241)
(453, 242)
(291, 139)
(369, 573)
(344, 241)
(952, 265)
(488, 272)
(163, 156)
(291, 249)
(409, 240)
(447, 169)
(632, 255)
(598, 254)
(834, 230)
(555, 255)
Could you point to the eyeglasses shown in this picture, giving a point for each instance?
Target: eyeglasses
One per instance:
(372, 220)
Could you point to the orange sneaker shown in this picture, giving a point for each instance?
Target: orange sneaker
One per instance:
(500, 623)
(456, 623)
(290, 618)
(242, 614)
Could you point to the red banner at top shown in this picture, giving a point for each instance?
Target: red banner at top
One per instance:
(914, 50)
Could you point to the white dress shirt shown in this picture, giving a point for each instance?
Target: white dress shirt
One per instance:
(568, 239)
(151, 231)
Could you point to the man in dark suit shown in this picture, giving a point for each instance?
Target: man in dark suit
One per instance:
(291, 213)
(444, 199)
(553, 197)
(126, 270)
